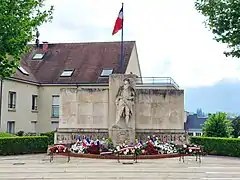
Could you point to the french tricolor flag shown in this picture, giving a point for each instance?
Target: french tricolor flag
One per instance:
(119, 22)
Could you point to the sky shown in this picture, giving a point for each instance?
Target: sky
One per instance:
(171, 38)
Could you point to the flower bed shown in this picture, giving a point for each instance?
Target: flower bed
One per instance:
(153, 148)
(105, 147)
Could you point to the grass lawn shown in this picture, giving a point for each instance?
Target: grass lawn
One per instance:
(4, 134)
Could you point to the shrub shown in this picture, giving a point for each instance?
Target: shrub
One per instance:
(219, 146)
(50, 136)
(23, 145)
(20, 133)
(4, 134)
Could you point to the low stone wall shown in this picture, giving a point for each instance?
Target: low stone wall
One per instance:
(178, 136)
(68, 136)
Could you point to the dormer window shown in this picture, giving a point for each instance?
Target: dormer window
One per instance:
(67, 73)
(38, 56)
(106, 72)
(23, 70)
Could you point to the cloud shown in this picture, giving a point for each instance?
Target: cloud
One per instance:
(171, 38)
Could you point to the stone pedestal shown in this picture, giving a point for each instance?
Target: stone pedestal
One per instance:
(120, 135)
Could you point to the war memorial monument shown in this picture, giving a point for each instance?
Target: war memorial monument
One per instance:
(122, 110)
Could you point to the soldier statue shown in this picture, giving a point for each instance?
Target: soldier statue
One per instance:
(125, 101)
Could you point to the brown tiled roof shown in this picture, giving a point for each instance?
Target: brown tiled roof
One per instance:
(87, 60)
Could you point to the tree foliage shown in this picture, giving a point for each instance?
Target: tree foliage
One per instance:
(18, 21)
(223, 19)
(217, 125)
(236, 127)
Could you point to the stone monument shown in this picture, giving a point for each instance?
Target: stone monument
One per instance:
(122, 111)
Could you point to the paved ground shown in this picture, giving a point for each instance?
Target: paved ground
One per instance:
(39, 167)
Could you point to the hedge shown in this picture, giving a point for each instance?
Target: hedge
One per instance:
(23, 145)
(50, 136)
(4, 134)
(219, 146)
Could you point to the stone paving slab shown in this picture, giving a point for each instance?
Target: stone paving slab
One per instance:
(33, 167)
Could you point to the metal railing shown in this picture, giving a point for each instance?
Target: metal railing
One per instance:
(157, 81)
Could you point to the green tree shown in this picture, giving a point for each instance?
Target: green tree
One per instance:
(217, 125)
(236, 127)
(222, 18)
(18, 21)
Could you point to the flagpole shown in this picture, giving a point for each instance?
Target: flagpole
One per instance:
(122, 52)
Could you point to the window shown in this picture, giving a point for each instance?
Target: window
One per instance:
(54, 126)
(23, 70)
(106, 72)
(33, 125)
(67, 73)
(190, 134)
(34, 102)
(11, 100)
(55, 106)
(38, 56)
(198, 134)
(11, 127)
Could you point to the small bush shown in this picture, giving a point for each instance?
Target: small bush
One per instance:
(23, 145)
(219, 146)
(50, 136)
(4, 134)
(20, 133)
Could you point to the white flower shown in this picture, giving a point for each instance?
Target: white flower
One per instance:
(190, 150)
(125, 152)
(56, 150)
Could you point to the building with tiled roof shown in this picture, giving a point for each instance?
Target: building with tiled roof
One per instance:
(193, 125)
(30, 99)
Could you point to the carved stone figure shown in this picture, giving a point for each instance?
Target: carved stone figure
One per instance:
(125, 101)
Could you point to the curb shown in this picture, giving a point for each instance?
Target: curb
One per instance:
(97, 156)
